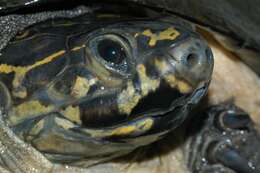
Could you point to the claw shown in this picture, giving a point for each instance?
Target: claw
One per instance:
(233, 120)
(231, 158)
(227, 142)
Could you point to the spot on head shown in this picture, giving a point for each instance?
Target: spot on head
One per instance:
(168, 34)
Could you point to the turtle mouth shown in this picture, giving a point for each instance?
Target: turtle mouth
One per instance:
(103, 112)
(172, 108)
(155, 113)
(158, 102)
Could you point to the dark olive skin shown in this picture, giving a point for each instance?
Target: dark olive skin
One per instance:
(77, 90)
(92, 88)
(225, 141)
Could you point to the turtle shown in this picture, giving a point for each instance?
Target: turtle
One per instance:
(54, 122)
(83, 92)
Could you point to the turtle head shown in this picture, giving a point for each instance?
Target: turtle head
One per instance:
(145, 77)
(125, 84)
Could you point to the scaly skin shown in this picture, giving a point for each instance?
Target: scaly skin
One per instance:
(64, 92)
(44, 165)
(225, 142)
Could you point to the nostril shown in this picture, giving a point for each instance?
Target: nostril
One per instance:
(192, 59)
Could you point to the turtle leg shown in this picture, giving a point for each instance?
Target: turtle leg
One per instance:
(226, 142)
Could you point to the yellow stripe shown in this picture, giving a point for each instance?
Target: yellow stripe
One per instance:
(139, 127)
(4, 68)
(78, 48)
(168, 34)
(20, 71)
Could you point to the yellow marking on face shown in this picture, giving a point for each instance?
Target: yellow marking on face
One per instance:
(78, 47)
(80, 88)
(28, 110)
(168, 34)
(162, 66)
(145, 125)
(20, 71)
(138, 128)
(181, 85)
(128, 99)
(123, 131)
(72, 113)
(142, 126)
(5, 68)
(37, 128)
(63, 123)
(170, 78)
(22, 93)
(147, 84)
(184, 87)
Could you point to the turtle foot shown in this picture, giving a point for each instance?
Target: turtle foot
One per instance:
(226, 142)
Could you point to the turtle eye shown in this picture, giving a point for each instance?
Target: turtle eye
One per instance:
(111, 51)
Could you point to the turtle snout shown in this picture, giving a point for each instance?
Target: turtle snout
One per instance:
(192, 61)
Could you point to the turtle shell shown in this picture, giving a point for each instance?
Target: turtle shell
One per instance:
(8, 6)
(236, 19)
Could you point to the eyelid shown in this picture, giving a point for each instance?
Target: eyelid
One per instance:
(122, 68)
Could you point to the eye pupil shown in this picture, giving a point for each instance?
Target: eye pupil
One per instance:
(111, 51)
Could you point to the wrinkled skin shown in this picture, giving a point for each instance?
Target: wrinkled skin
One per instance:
(226, 142)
